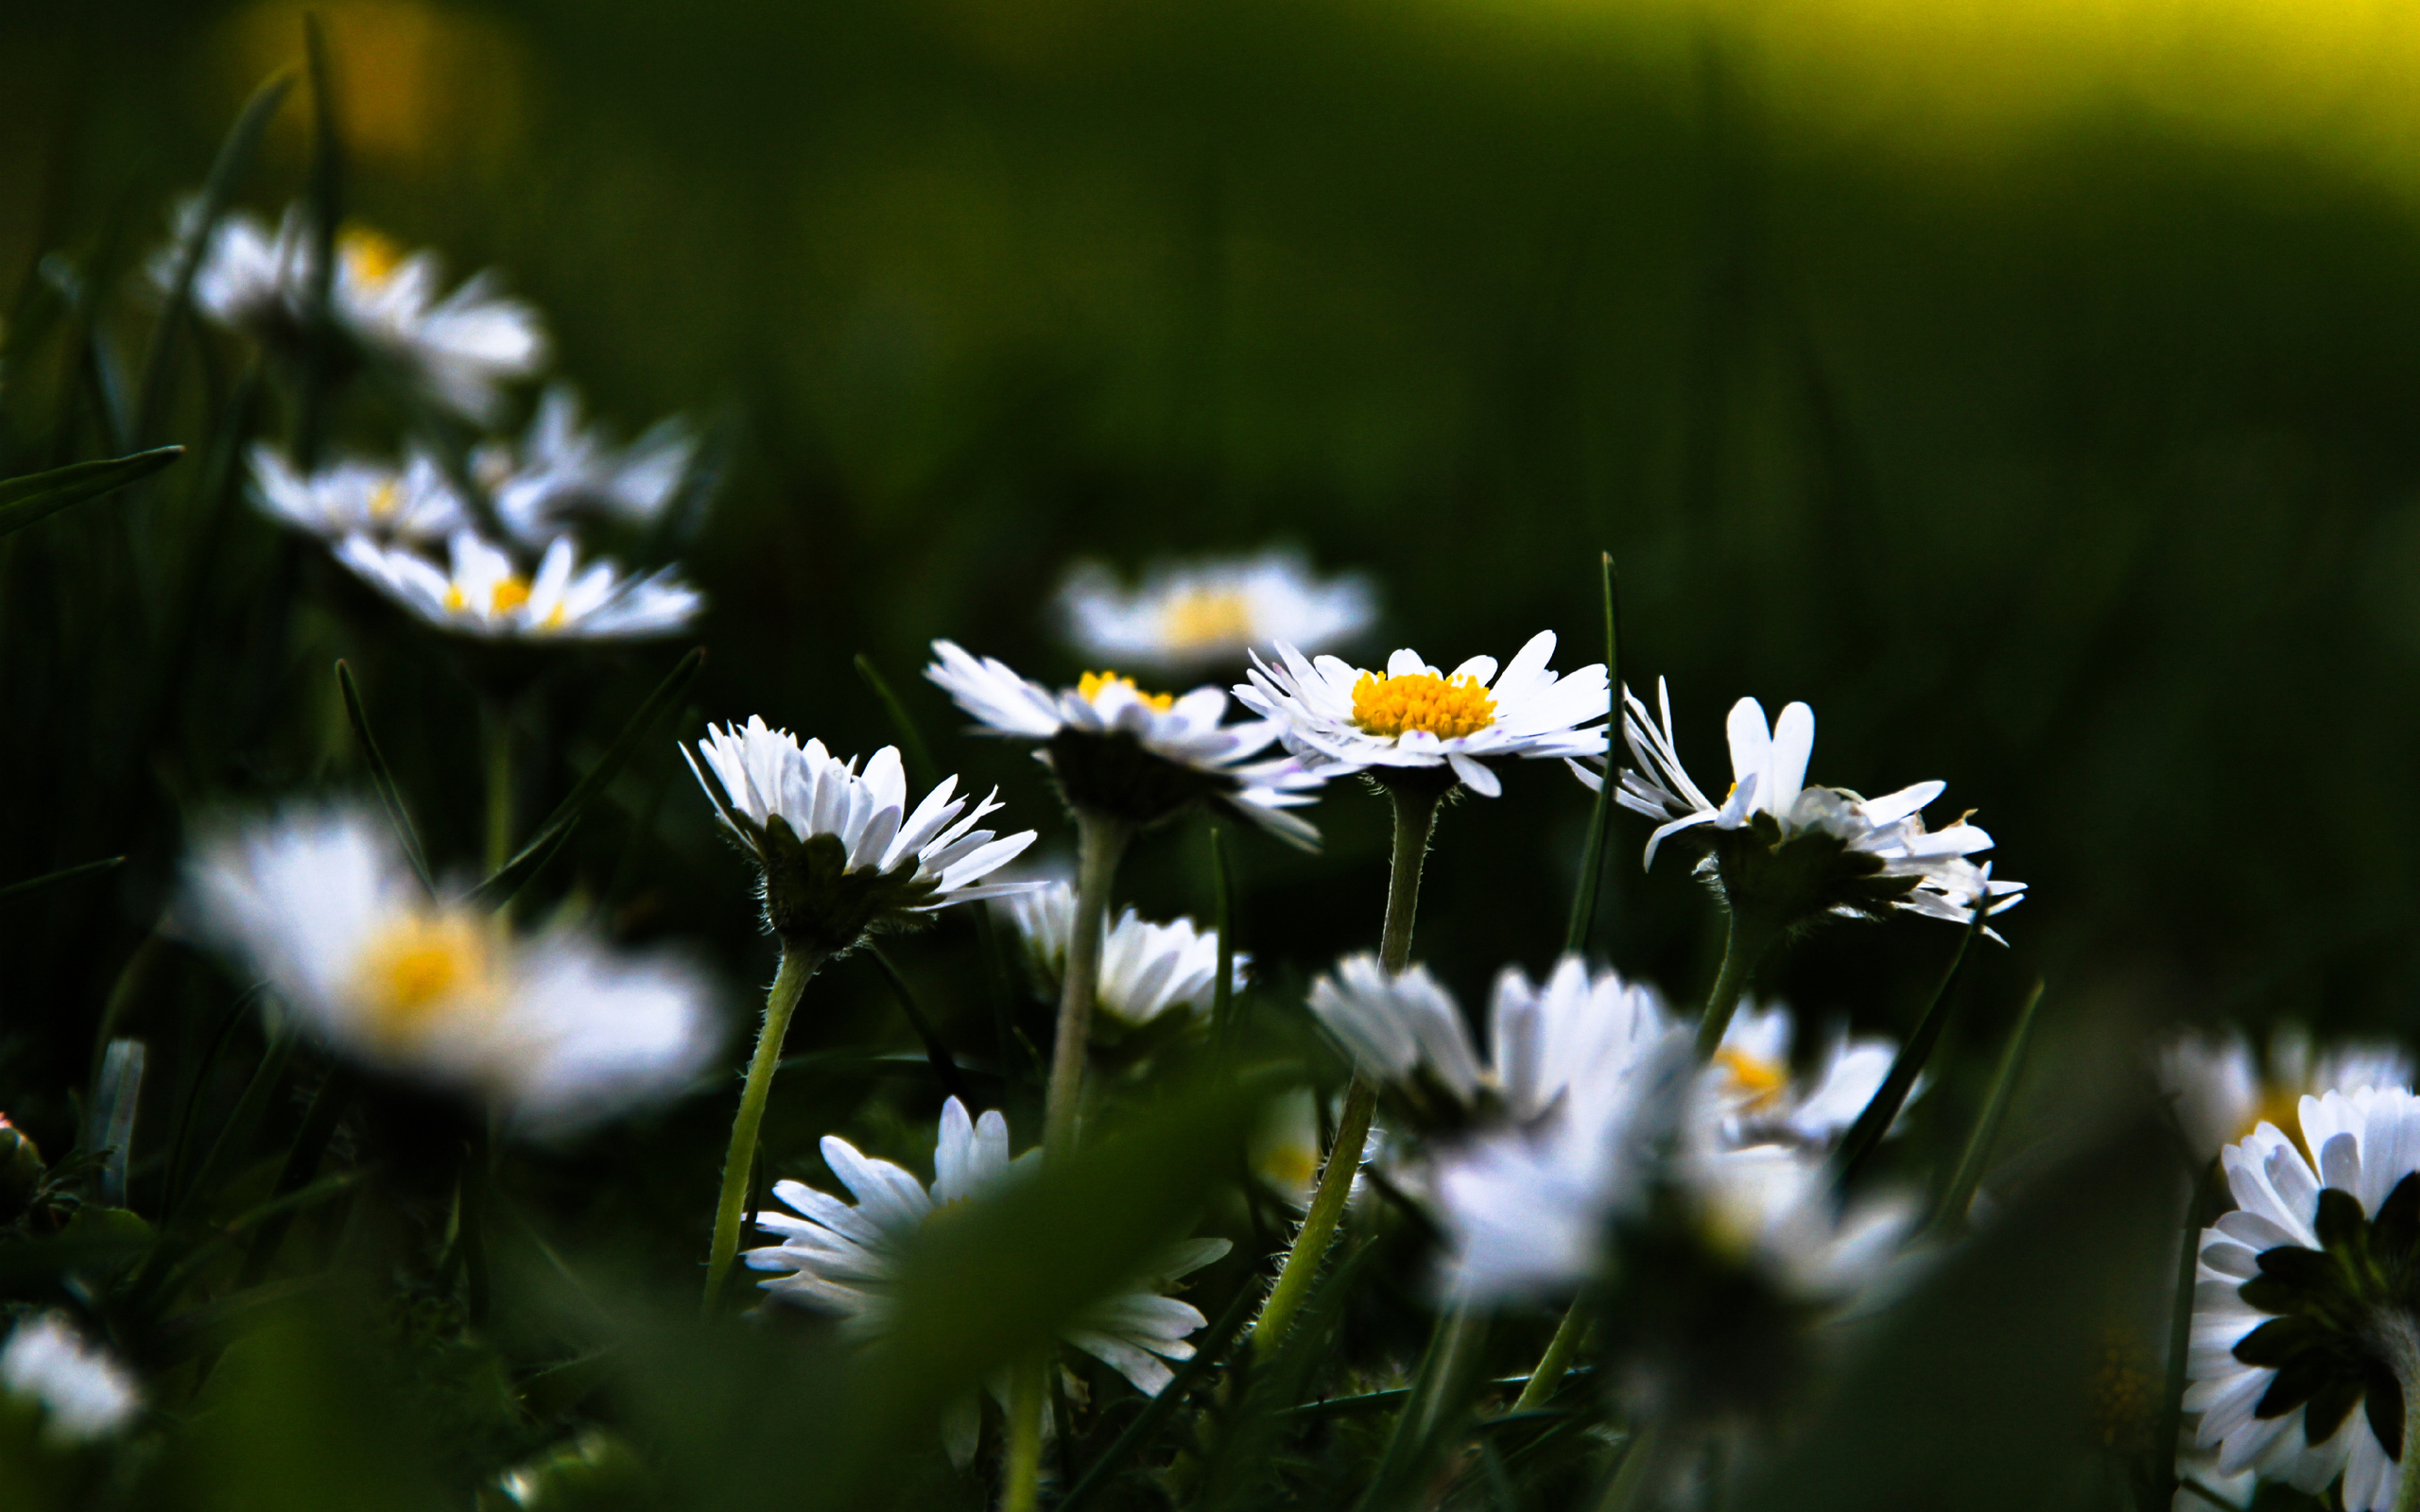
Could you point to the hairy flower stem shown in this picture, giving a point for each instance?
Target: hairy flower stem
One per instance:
(798, 963)
(1743, 945)
(2397, 1335)
(1022, 1472)
(1415, 816)
(1101, 841)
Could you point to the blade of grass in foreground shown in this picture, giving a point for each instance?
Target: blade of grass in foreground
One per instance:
(390, 796)
(40, 495)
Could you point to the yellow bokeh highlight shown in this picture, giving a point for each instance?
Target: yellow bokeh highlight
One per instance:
(416, 83)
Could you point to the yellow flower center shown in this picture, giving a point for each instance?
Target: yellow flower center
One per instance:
(383, 502)
(1290, 1169)
(1092, 684)
(507, 594)
(421, 967)
(1207, 617)
(1758, 1081)
(371, 257)
(2278, 1105)
(1445, 707)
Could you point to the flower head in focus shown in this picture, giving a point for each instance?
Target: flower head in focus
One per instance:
(842, 1257)
(351, 497)
(562, 471)
(840, 852)
(2221, 1090)
(457, 349)
(84, 1393)
(1149, 972)
(554, 1029)
(2306, 1332)
(1790, 851)
(1212, 613)
(1412, 723)
(1134, 756)
(483, 593)
(1757, 1100)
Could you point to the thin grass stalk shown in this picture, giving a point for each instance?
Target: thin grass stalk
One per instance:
(1222, 991)
(781, 1002)
(1865, 1135)
(1600, 818)
(1969, 1174)
(1101, 841)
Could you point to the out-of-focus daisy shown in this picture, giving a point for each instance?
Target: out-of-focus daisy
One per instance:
(562, 469)
(84, 1392)
(1147, 969)
(1757, 1099)
(843, 1257)
(1406, 1032)
(1134, 756)
(352, 497)
(1211, 613)
(1774, 1208)
(1789, 851)
(555, 1029)
(483, 593)
(457, 349)
(841, 852)
(1412, 722)
(2221, 1090)
(2306, 1332)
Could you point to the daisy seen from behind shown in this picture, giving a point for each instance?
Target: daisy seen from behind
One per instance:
(457, 349)
(1413, 724)
(483, 594)
(554, 1030)
(1212, 612)
(842, 1257)
(2305, 1356)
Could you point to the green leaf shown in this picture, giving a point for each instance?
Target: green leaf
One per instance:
(1961, 1192)
(911, 741)
(514, 874)
(39, 495)
(234, 156)
(1865, 1135)
(1592, 855)
(390, 797)
(17, 890)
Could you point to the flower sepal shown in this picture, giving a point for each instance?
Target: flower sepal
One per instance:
(814, 901)
(1793, 880)
(1111, 774)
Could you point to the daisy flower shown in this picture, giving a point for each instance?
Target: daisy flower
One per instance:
(84, 1392)
(1758, 1101)
(458, 349)
(554, 1029)
(1212, 612)
(352, 497)
(562, 469)
(1771, 1209)
(2306, 1332)
(2221, 1090)
(1147, 969)
(1412, 721)
(842, 1257)
(1791, 850)
(1139, 757)
(841, 852)
(483, 594)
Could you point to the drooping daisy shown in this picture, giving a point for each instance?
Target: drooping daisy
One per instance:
(1139, 756)
(1412, 722)
(1147, 969)
(843, 1257)
(841, 852)
(562, 469)
(1211, 613)
(485, 594)
(84, 1392)
(2221, 1090)
(2306, 1332)
(555, 1029)
(1759, 1102)
(1790, 851)
(457, 349)
(354, 497)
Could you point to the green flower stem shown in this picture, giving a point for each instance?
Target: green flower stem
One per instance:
(1415, 817)
(1100, 840)
(499, 760)
(1639, 1462)
(798, 963)
(1022, 1472)
(1552, 1363)
(2407, 1495)
(1743, 945)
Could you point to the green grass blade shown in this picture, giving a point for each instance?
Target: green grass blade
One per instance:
(911, 741)
(1592, 855)
(325, 193)
(40, 495)
(17, 890)
(515, 873)
(944, 1065)
(390, 797)
(1865, 1135)
(1987, 1125)
(234, 156)
(1222, 991)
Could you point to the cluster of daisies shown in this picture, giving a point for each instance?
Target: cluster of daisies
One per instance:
(479, 540)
